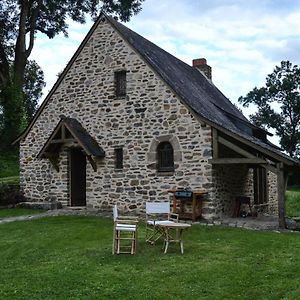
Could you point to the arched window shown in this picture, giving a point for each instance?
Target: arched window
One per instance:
(165, 157)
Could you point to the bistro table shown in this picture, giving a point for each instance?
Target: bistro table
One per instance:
(173, 234)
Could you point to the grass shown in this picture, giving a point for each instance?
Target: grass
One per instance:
(10, 180)
(293, 202)
(70, 257)
(15, 212)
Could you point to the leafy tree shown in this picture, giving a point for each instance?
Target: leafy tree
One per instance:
(32, 91)
(278, 105)
(20, 21)
(32, 88)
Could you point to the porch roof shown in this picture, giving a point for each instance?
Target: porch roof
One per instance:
(70, 132)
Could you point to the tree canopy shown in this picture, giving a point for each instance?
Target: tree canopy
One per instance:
(20, 21)
(278, 105)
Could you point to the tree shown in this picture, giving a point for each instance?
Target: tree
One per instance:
(32, 88)
(20, 21)
(278, 105)
(32, 92)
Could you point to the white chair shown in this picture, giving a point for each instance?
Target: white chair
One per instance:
(157, 213)
(125, 232)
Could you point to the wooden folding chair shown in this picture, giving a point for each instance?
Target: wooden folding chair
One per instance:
(125, 233)
(157, 213)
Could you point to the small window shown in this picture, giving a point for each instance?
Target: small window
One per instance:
(165, 157)
(120, 83)
(119, 158)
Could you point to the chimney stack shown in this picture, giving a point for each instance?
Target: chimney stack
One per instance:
(202, 66)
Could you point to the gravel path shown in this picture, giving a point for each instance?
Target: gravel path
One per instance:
(50, 213)
(260, 223)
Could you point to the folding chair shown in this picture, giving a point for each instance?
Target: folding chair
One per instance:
(125, 232)
(157, 213)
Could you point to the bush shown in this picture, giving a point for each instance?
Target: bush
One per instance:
(9, 164)
(10, 194)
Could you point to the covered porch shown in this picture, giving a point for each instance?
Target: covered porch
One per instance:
(257, 170)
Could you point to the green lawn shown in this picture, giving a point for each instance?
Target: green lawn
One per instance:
(10, 180)
(70, 258)
(293, 202)
(14, 212)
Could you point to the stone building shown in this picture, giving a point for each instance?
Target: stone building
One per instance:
(126, 121)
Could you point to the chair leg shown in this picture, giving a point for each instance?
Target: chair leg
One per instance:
(118, 241)
(114, 242)
(133, 243)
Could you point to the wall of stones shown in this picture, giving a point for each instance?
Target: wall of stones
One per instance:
(230, 181)
(149, 112)
(272, 193)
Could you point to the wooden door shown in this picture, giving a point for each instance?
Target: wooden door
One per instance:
(77, 177)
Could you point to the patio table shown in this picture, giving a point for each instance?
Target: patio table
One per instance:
(173, 233)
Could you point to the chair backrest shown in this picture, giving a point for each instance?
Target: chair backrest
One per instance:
(115, 212)
(157, 207)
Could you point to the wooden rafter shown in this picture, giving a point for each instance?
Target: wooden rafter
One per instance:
(220, 161)
(92, 162)
(54, 161)
(265, 163)
(235, 148)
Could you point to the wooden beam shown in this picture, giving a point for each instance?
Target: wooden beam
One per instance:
(247, 142)
(281, 187)
(235, 148)
(78, 141)
(54, 162)
(221, 161)
(215, 145)
(61, 141)
(50, 154)
(92, 162)
(63, 131)
(270, 168)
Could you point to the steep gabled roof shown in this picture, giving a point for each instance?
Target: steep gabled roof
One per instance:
(203, 97)
(198, 93)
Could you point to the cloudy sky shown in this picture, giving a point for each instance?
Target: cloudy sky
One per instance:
(242, 40)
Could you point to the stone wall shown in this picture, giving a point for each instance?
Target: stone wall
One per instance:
(272, 194)
(230, 181)
(149, 113)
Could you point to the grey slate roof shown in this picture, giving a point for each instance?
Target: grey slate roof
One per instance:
(195, 90)
(188, 83)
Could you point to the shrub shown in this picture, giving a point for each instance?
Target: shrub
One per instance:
(10, 194)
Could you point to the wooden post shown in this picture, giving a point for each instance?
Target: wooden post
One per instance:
(281, 187)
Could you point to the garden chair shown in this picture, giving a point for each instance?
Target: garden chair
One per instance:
(157, 213)
(125, 233)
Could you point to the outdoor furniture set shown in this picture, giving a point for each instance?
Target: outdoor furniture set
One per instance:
(159, 223)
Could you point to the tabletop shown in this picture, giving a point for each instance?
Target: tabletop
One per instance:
(175, 225)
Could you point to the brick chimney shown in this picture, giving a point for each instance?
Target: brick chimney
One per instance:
(201, 65)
